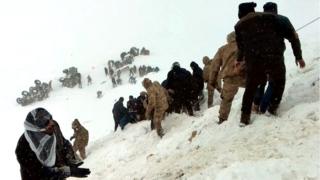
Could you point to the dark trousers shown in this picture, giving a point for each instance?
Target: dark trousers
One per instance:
(257, 69)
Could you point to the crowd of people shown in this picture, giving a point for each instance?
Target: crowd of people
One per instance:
(252, 58)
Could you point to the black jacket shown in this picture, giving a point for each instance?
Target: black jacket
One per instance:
(30, 166)
(260, 34)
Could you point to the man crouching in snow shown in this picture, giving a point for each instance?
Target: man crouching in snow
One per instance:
(157, 104)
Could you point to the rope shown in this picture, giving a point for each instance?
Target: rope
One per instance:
(316, 19)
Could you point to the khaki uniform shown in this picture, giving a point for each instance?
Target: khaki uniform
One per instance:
(81, 136)
(157, 104)
(233, 78)
(206, 76)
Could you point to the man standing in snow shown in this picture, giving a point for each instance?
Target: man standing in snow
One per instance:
(157, 104)
(81, 136)
(206, 75)
(42, 151)
(223, 66)
(260, 39)
(120, 114)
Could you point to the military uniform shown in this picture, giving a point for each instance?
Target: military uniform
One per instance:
(157, 104)
(81, 136)
(223, 66)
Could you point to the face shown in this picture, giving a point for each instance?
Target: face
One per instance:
(49, 129)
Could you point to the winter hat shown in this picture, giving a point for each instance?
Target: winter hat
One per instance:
(39, 117)
(245, 8)
(193, 64)
(270, 7)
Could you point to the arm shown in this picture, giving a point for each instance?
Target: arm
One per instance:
(290, 34)
(215, 67)
(239, 45)
(151, 102)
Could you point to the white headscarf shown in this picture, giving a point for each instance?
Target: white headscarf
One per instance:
(43, 145)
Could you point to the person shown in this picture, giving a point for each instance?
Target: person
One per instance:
(179, 87)
(206, 75)
(120, 114)
(132, 107)
(262, 50)
(157, 104)
(89, 80)
(141, 105)
(81, 136)
(197, 76)
(42, 151)
(223, 66)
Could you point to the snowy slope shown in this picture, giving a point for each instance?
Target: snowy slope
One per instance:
(40, 39)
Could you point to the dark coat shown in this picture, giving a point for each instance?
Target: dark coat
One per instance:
(32, 169)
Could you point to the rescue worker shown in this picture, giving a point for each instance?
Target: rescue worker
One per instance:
(81, 136)
(157, 104)
(262, 50)
(222, 66)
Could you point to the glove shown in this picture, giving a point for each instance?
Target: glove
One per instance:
(65, 171)
(79, 172)
(301, 63)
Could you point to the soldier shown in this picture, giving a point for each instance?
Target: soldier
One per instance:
(89, 80)
(81, 136)
(157, 104)
(99, 94)
(263, 50)
(114, 83)
(42, 151)
(206, 75)
(106, 71)
(222, 65)
(197, 74)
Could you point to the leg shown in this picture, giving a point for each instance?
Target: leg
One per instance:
(228, 92)
(82, 151)
(158, 116)
(278, 77)
(210, 98)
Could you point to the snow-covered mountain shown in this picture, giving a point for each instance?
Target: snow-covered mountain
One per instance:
(39, 39)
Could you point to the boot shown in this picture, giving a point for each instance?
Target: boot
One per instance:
(273, 109)
(255, 108)
(244, 120)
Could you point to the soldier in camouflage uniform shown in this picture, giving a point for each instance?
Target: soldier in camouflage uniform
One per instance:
(206, 75)
(223, 66)
(157, 104)
(81, 136)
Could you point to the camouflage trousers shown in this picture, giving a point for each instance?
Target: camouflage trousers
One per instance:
(81, 147)
(211, 92)
(229, 90)
(158, 116)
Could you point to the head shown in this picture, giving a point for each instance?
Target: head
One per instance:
(205, 60)
(41, 119)
(76, 124)
(193, 65)
(246, 8)
(121, 99)
(176, 65)
(231, 37)
(146, 83)
(270, 7)
(130, 97)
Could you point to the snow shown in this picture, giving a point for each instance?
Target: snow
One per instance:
(40, 38)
